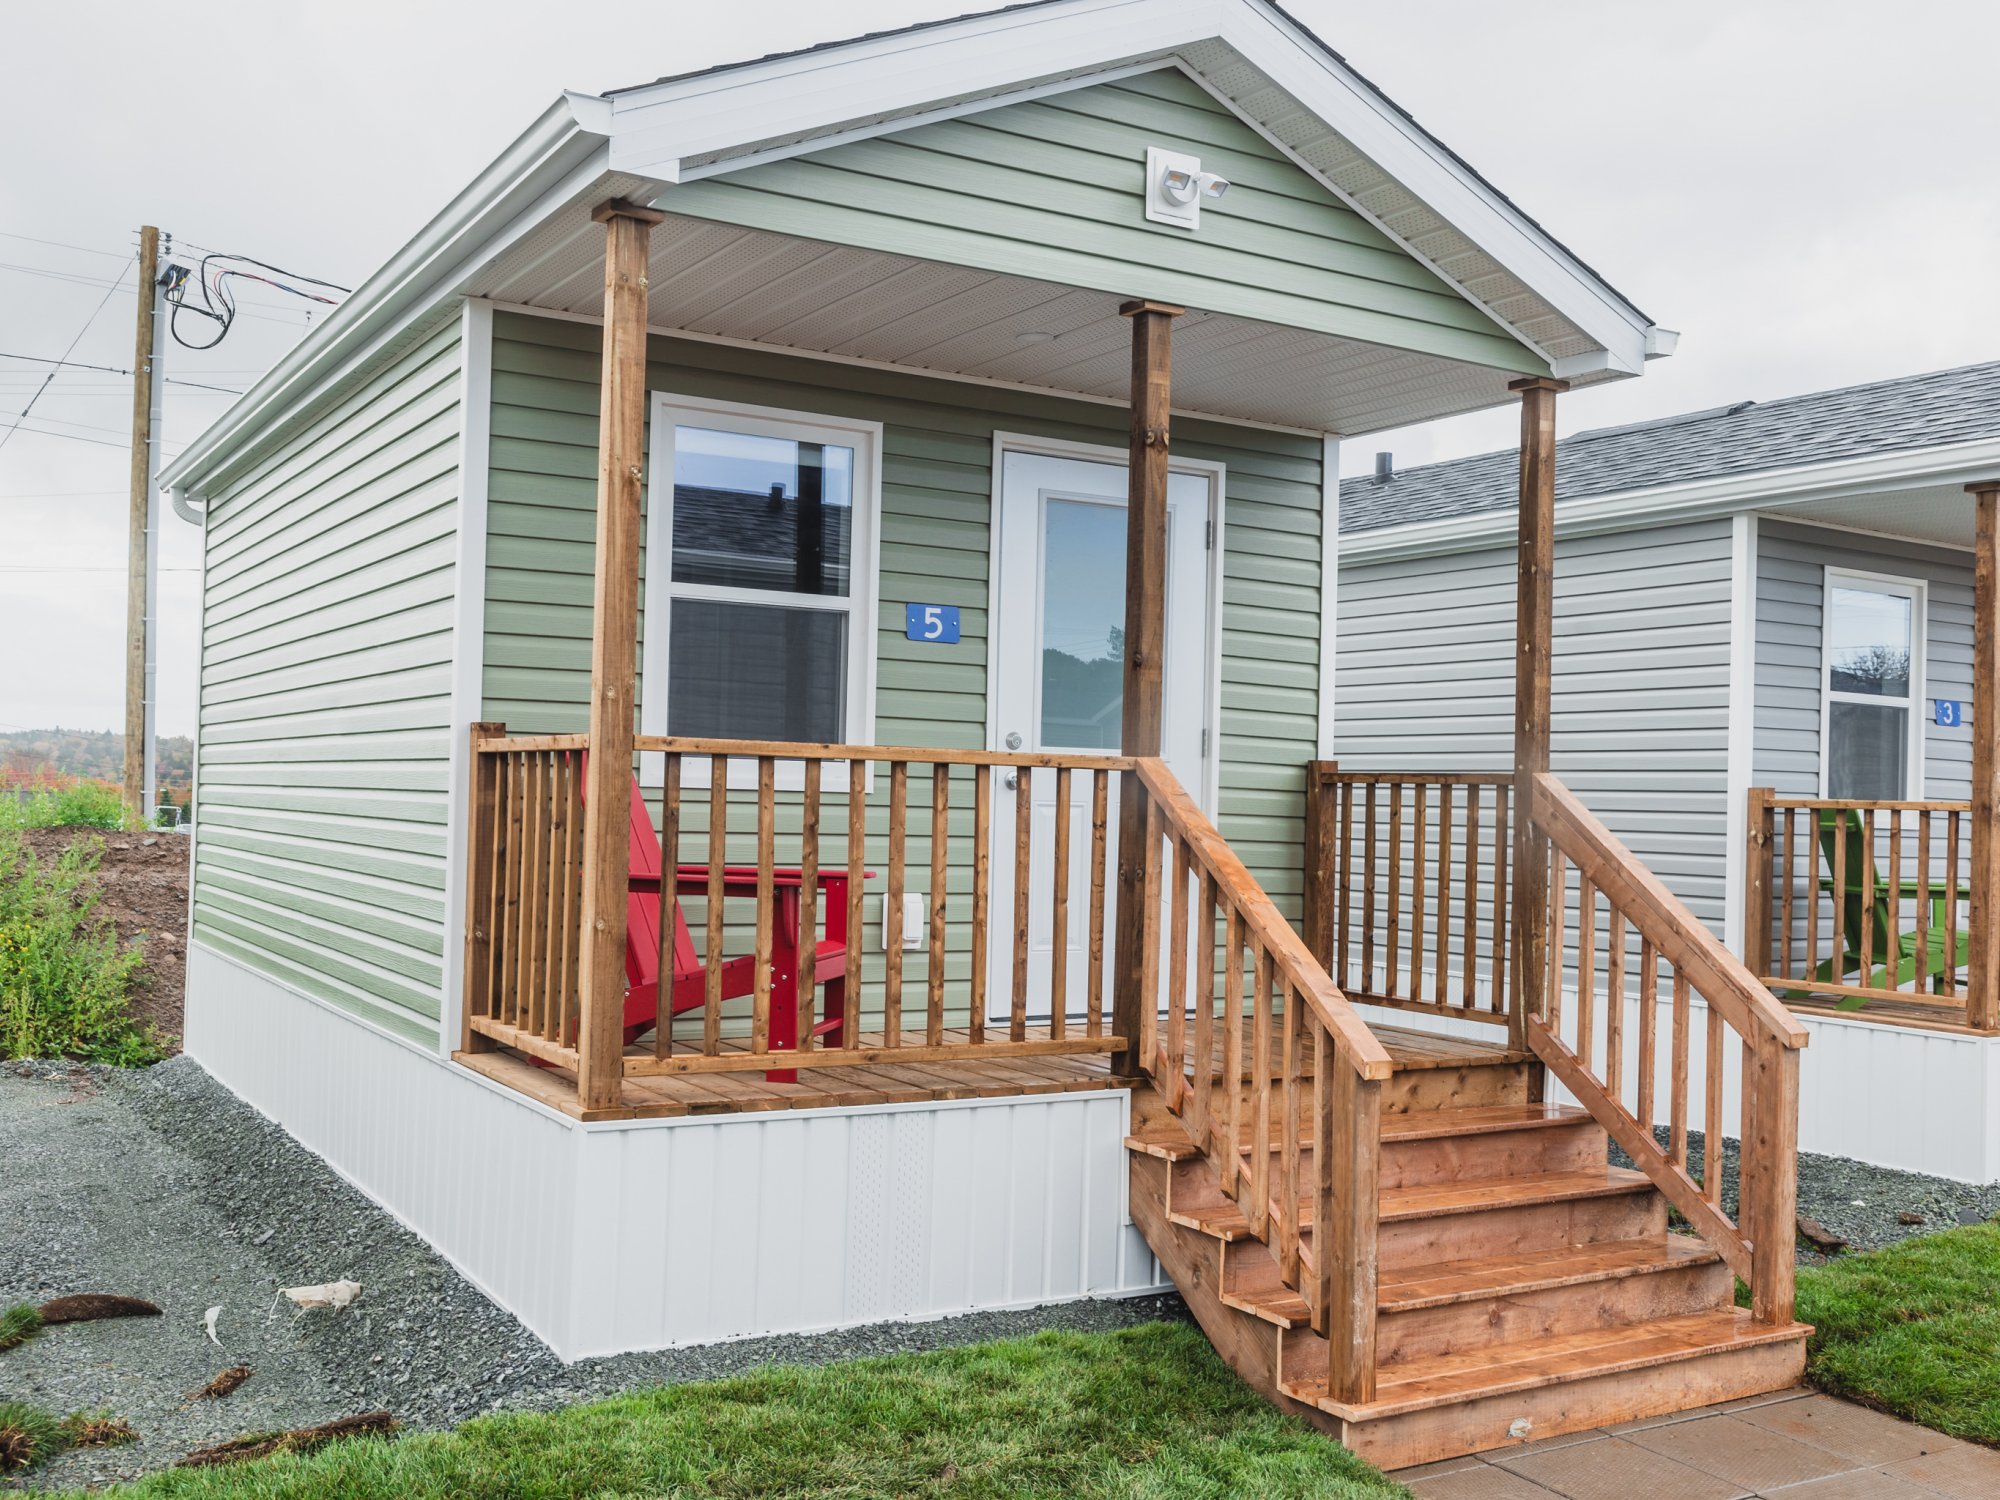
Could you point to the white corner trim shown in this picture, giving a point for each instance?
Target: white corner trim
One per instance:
(1767, 490)
(468, 642)
(1742, 720)
(1329, 590)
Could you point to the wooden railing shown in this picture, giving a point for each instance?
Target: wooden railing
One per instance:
(1851, 904)
(1407, 887)
(1324, 1115)
(1637, 911)
(524, 902)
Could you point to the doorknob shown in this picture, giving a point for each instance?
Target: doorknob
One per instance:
(1013, 742)
(1013, 780)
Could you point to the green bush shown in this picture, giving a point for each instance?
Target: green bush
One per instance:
(27, 1436)
(63, 982)
(18, 1324)
(87, 804)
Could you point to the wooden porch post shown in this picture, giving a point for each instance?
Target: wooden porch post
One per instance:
(1982, 999)
(1145, 646)
(1534, 630)
(614, 638)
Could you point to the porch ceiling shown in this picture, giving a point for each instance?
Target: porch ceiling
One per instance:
(1942, 514)
(809, 296)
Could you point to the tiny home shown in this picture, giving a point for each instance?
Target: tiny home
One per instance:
(1766, 618)
(761, 683)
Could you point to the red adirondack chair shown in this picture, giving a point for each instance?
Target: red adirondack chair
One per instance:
(689, 987)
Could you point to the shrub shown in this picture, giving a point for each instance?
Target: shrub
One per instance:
(66, 803)
(63, 982)
(27, 1436)
(18, 1324)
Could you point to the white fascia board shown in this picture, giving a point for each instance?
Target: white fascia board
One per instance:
(1769, 491)
(1270, 40)
(549, 163)
(660, 126)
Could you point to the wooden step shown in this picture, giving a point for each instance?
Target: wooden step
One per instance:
(1412, 1288)
(1279, 1306)
(1481, 1195)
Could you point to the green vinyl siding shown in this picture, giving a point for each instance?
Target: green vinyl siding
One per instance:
(326, 699)
(935, 528)
(1054, 190)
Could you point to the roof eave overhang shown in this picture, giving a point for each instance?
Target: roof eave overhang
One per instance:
(685, 128)
(562, 152)
(1766, 491)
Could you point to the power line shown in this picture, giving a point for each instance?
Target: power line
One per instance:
(70, 364)
(112, 254)
(9, 436)
(219, 305)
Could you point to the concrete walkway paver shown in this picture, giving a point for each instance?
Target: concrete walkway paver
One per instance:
(1790, 1445)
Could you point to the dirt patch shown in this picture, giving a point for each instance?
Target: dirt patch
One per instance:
(144, 877)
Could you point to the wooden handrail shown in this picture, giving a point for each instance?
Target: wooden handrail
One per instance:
(1681, 939)
(1266, 925)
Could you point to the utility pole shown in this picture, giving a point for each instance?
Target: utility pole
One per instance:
(141, 567)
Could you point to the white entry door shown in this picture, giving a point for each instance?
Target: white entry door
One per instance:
(1058, 626)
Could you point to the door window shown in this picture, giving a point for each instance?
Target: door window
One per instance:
(1872, 658)
(1083, 625)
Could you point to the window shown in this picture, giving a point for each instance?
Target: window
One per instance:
(1872, 650)
(767, 590)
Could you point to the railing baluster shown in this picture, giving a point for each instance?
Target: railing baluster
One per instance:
(1204, 1011)
(1502, 824)
(1419, 860)
(1024, 811)
(857, 859)
(1785, 900)
(1649, 1006)
(1288, 1147)
(496, 886)
(806, 950)
(1469, 918)
(1677, 1099)
(1393, 937)
(1154, 826)
(1368, 897)
(1838, 971)
(1586, 966)
(982, 860)
(1232, 1050)
(1614, 999)
(767, 837)
(1320, 1295)
(517, 843)
(535, 905)
(670, 913)
(718, 859)
(1894, 936)
(892, 909)
(1173, 1085)
(1100, 790)
(1812, 895)
(1059, 947)
(1923, 905)
(1865, 878)
(1711, 1098)
(1558, 931)
(940, 859)
(1951, 907)
(1259, 1207)
(1345, 857)
(1444, 891)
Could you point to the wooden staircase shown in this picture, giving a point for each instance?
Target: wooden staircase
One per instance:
(1524, 1287)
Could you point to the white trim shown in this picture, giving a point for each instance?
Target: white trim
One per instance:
(1742, 719)
(1329, 592)
(1917, 591)
(195, 795)
(468, 643)
(666, 409)
(1053, 392)
(1767, 490)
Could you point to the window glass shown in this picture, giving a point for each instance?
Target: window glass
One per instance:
(1868, 643)
(1870, 743)
(756, 672)
(758, 512)
(1083, 625)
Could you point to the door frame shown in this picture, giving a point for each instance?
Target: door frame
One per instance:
(1216, 474)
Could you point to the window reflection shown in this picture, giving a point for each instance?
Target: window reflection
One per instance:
(1868, 640)
(762, 512)
(1083, 625)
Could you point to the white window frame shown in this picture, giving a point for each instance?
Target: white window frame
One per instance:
(669, 410)
(1917, 591)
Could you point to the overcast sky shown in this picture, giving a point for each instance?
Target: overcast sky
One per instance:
(1807, 191)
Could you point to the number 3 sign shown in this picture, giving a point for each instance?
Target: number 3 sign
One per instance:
(1950, 714)
(933, 624)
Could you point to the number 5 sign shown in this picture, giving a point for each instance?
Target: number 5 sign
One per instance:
(934, 624)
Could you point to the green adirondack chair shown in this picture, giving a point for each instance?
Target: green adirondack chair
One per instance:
(1862, 882)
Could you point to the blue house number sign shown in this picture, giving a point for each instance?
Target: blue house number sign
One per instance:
(1950, 714)
(933, 624)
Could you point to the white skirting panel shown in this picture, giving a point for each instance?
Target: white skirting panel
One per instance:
(645, 1234)
(1921, 1101)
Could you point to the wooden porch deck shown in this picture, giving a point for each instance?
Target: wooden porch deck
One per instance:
(909, 1083)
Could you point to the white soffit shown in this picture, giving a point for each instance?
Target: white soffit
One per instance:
(805, 296)
(1245, 52)
(1941, 514)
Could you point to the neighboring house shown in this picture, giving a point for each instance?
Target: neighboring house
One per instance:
(915, 458)
(1767, 594)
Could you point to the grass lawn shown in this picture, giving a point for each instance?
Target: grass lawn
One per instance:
(1146, 1411)
(1913, 1329)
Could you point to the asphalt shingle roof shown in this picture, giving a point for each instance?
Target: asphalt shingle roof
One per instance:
(1917, 411)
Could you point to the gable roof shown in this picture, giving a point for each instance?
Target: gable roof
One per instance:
(1747, 437)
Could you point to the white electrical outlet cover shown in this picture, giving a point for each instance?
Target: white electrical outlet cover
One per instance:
(1159, 207)
(913, 921)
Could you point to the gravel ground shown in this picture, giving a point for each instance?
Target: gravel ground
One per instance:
(161, 1184)
(1858, 1202)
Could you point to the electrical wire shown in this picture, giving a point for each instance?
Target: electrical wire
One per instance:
(70, 364)
(8, 436)
(219, 305)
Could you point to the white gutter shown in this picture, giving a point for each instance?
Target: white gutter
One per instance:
(566, 148)
(1766, 490)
